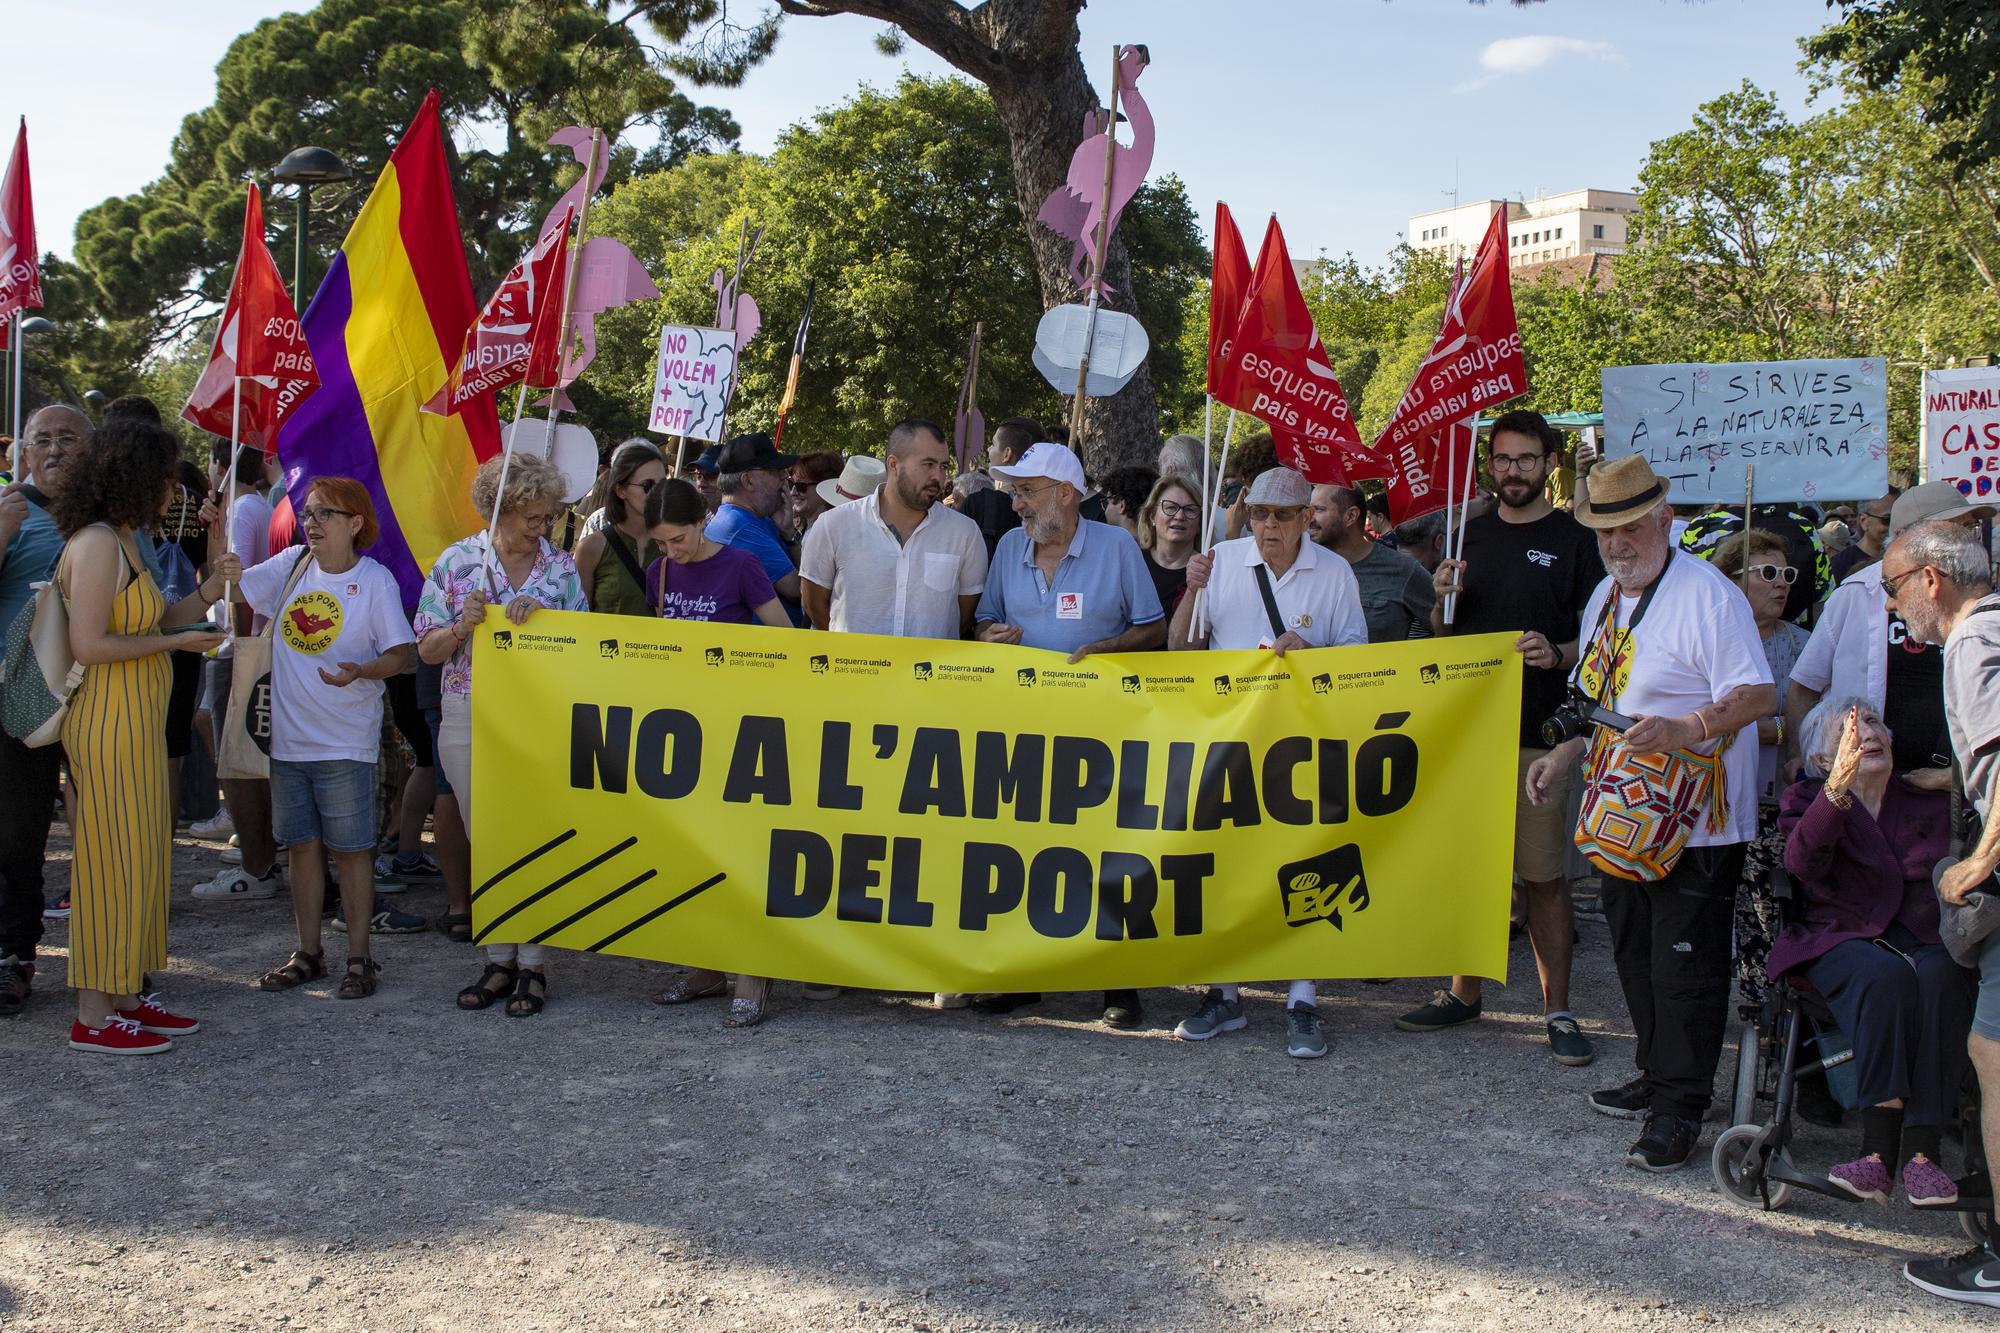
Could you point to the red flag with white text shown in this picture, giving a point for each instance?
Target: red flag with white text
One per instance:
(1474, 363)
(1274, 368)
(20, 264)
(1227, 288)
(517, 335)
(259, 341)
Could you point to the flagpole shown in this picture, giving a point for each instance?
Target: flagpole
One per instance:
(14, 332)
(1455, 549)
(1200, 616)
(1097, 269)
(506, 462)
(569, 298)
(229, 506)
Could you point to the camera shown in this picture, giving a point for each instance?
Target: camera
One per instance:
(1576, 713)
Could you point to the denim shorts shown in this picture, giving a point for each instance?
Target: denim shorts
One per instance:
(1986, 1011)
(330, 800)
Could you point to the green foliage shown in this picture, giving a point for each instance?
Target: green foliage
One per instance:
(901, 206)
(348, 75)
(1948, 48)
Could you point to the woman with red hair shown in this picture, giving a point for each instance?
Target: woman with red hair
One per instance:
(338, 631)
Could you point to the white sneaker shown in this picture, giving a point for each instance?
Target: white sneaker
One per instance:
(237, 883)
(221, 826)
(231, 856)
(950, 1000)
(823, 992)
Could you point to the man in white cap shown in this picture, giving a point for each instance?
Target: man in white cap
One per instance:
(1071, 585)
(1862, 648)
(1669, 643)
(1270, 589)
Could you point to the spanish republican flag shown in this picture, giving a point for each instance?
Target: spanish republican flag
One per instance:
(385, 327)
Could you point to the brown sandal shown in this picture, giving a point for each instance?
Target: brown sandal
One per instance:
(359, 983)
(297, 970)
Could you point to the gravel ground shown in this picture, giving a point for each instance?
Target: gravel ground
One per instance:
(867, 1163)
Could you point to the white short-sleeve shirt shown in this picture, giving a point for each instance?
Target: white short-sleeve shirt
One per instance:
(1318, 598)
(1695, 642)
(879, 585)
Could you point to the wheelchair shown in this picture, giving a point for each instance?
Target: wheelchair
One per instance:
(1791, 1035)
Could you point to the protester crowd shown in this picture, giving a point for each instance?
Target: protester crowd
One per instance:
(1706, 709)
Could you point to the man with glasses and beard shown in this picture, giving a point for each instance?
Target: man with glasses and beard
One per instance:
(29, 546)
(1271, 589)
(1073, 586)
(1526, 568)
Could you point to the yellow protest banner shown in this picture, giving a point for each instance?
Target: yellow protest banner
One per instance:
(942, 816)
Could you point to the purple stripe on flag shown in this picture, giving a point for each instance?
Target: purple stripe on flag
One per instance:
(328, 435)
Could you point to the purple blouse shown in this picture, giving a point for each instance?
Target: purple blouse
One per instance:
(1856, 873)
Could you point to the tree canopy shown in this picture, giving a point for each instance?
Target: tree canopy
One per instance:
(901, 207)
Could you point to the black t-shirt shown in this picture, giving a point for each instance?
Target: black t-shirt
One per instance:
(994, 512)
(1848, 559)
(1169, 583)
(1913, 700)
(1529, 576)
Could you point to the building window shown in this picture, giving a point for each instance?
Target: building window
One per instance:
(1597, 231)
(1559, 236)
(1446, 231)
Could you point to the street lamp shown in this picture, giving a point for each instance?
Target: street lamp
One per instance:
(305, 168)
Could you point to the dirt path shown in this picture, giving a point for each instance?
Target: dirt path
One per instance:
(865, 1163)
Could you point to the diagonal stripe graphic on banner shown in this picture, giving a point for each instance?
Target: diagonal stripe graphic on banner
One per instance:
(656, 913)
(540, 894)
(548, 846)
(572, 919)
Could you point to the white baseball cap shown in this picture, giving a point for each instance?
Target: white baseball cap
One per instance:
(1054, 461)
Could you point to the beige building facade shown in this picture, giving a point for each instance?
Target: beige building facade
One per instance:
(1557, 226)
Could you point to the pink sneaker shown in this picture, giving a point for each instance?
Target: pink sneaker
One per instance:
(152, 1018)
(1927, 1184)
(1865, 1178)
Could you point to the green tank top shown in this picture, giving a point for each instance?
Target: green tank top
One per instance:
(613, 590)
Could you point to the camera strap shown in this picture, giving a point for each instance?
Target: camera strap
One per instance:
(1607, 628)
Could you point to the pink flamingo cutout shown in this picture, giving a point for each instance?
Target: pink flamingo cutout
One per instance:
(1074, 209)
(608, 274)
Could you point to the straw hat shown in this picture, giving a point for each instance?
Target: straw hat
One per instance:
(861, 475)
(1621, 490)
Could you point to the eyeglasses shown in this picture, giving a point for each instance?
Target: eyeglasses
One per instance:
(1879, 518)
(321, 513)
(67, 439)
(1517, 462)
(1169, 510)
(1892, 584)
(537, 520)
(1031, 494)
(646, 486)
(1275, 513)
(793, 484)
(1774, 573)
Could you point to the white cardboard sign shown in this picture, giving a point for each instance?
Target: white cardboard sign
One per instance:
(691, 382)
(1962, 429)
(1813, 429)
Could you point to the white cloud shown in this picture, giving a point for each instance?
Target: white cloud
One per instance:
(1522, 55)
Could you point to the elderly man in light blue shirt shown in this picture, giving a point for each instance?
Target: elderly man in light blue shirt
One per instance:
(1060, 581)
(1063, 582)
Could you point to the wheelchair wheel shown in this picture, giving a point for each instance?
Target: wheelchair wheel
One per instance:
(1974, 1225)
(1733, 1148)
(1743, 1102)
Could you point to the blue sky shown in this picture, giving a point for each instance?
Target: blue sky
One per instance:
(1343, 116)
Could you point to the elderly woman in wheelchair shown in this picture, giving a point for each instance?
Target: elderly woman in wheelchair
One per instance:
(1863, 931)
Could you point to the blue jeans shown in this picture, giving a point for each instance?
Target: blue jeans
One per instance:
(325, 800)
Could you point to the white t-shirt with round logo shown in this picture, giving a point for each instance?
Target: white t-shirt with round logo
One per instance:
(353, 616)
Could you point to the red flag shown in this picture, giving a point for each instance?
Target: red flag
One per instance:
(1476, 360)
(1274, 368)
(1226, 291)
(259, 340)
(518, 334)
(20, 263)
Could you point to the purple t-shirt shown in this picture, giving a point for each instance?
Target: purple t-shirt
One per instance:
(729, 586)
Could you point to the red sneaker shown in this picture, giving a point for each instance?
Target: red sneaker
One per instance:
(152, 1018)
(118, 1036)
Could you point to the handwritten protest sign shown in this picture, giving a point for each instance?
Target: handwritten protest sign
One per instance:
(1962, 428)
(691, 382)
(1812, 429)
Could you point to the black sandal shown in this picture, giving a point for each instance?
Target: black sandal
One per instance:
(456, 926)
(297, 970)
(530, 994)
(479, 995)
(359, 983)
